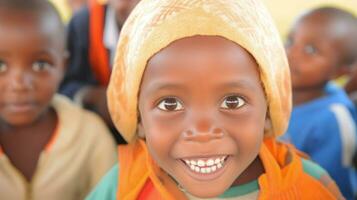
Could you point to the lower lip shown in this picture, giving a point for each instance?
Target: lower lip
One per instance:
(205, 177)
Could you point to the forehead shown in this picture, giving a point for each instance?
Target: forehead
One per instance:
(316, 24)
(29, 21)
(18, 28)
(187, 59)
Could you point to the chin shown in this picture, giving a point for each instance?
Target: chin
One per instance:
(205, 189)
(204, 192)
(20, 121)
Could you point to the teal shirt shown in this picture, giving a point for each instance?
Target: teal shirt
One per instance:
(107, 188)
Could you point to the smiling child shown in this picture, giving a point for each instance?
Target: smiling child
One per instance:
(200, 90)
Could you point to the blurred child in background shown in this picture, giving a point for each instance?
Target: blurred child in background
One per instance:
(320, 47)
(93, 33)
(49, 148)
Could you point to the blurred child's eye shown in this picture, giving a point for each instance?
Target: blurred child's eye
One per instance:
(170, 104)
(289, 42)
(232, 102)
(39, 66)
(310, 49)
(3, 66)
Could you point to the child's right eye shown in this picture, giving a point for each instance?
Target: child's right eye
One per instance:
(289, 42)
(310, 49)
(3, 67)
(170, 104)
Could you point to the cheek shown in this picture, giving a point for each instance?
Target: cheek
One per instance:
(161, 132)
(45, 92)
(247, 130)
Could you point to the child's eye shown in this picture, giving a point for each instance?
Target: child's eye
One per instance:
(170, 104)
(289, 42)
(232, 102)
(3, 66)
(310, 49)
(39, 66)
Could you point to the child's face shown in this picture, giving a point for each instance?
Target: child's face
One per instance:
(203, 112)
(312, 53)
(31, 67)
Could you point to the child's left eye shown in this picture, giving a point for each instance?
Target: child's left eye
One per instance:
(170, 104)
(41, 66)
(232, 102)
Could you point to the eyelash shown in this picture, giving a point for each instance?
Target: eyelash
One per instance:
(163, 104)
(3, 66)
(241, 101)
(44, 65)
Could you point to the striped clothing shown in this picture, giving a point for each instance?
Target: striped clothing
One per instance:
(325, 129)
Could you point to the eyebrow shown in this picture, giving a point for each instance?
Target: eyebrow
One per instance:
(241, 84)
(161, 85)
(245, 84)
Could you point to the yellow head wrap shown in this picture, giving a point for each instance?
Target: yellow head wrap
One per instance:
(154, 24)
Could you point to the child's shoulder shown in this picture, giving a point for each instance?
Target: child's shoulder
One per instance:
(72, 118)
(321, 175)
(313, 169)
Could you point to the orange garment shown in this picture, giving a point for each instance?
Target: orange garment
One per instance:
(284, 178)
(98, 54)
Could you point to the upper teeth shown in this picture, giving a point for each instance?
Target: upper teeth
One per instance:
(208, 166)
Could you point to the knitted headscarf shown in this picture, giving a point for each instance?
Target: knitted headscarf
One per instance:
(154, 24)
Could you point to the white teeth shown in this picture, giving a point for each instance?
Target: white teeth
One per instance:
(203, 170)
(201, 163)
(208, 170)
(214, 168)
(222, 159)
(210, 162)
(209, 166)
(192, 167)
(217, 161)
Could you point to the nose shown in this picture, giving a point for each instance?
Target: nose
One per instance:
(20, 80)
(203, 130)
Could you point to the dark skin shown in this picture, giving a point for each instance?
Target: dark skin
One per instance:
(31, 68)
(201, 99)
(351, 85)
(313, 50)
(95, 97)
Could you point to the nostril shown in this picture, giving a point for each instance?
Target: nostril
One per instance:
(188, 133)
(217, 131)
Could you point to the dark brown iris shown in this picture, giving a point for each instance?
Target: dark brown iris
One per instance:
(170, 104)
(232, 102)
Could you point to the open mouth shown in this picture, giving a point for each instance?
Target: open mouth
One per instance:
(208, 165)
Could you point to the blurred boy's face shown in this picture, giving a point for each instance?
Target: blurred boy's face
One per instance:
(31, 66)
(312, 53)
(203, 112)
(122, 9)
